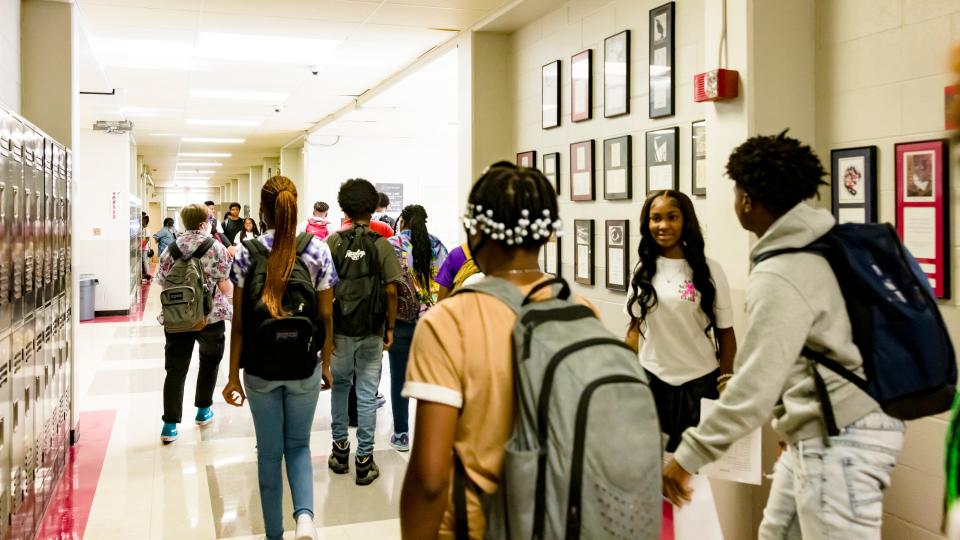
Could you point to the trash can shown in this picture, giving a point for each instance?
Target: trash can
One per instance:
(88, 296)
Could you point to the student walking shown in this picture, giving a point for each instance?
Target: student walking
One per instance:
(420, 254)
(318, 224)
(233, 224)
(364, 323)
(249, 232)
(165, 236)
(283, 319)
(680, 307)
(824, 486)
(193, 245)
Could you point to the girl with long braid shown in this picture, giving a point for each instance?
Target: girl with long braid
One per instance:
(421, 254)
(282, 409)
(680, 307)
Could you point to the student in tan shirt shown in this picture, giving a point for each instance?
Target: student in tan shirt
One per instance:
(460, 367)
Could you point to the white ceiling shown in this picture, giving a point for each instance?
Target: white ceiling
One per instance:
(155, 52)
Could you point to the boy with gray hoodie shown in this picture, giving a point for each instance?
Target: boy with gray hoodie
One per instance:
(823, 487)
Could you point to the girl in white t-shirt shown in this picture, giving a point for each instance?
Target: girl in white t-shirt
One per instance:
(680, 310)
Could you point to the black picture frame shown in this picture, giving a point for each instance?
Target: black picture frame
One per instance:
(583, 251)
(527, 159)
(662, 87)
(583, 172)
(617, 254)
(552, 246)
(550, 95)
(581, 86)
(662, 152)
(698, 158)
(853, 184)
(616, 75)
(551, 169)
(618, 168)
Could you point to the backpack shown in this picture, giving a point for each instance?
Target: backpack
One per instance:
(408, 297)
(360, 306)
(468, 269)
(280, 349)
(185, 300)
(585, 454)
(318, 228)
(907, 354)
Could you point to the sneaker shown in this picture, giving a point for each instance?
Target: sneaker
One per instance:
(367, 470)
(381, 400)
(306, 530)
(339, 461)
(400, 442)
(169, 433)
(204, 416)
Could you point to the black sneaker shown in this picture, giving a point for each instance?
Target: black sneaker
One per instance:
(367, 470)
(339, 461)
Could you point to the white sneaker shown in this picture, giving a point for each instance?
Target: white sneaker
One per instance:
(306, 530)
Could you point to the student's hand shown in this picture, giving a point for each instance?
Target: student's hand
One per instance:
(675, 481)
(326, 382)
(233, 392)
(232, 251)
(388, 340)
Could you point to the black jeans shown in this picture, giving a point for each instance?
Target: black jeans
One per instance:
(678, 407)
(399, 354)
(178, 351)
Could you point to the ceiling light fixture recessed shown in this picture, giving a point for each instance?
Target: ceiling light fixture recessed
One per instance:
(242, 95)
(192, 178)
(215, 122)
(198, 164)
(221, 140)
(261, 48)
(193, 171)
(204, 154)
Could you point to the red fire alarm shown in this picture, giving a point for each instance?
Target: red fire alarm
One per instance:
(715, 85)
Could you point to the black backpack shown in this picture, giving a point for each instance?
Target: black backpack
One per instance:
(908, 358)
(280, 349)
(360, 306)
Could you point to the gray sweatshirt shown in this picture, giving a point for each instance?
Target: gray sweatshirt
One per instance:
(792, 300)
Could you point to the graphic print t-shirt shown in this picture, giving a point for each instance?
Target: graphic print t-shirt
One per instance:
(675, 348)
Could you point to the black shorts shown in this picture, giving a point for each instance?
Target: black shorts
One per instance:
(678, 407)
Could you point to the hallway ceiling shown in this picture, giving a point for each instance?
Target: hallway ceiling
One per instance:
(237, 70)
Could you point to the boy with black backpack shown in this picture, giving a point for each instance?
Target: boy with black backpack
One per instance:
(364, 316)
(194, 275)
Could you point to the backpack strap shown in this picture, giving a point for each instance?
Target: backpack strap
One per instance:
(202, 249)
(175, 251)
(562, 294)
(460, 480)
(829, 418)
(499, 288)
(303, 242)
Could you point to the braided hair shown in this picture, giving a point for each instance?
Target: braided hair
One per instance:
(514, 206)
(414, 218)
(278, 199)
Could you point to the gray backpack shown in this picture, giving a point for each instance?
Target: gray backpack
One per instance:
(186, 300)
(585, 454)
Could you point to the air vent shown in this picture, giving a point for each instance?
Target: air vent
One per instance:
(125, 126)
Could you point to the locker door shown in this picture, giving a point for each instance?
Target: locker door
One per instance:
(18, 422)
(61, 190)
(68, 217)
(6, 408)
(30, 423)
(38, 211)
(16, 286)
(42, 479)
(48, 207)
(6, 211)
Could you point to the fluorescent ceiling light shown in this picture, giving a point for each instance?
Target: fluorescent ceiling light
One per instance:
(193, 171)
(260, 48)
(224, 140)
(204, 154)
(198, 164)
(215, 122)
(242, 95)
(166, 134)
(192, 178)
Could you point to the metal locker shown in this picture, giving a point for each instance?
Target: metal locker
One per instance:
(6, 408)
(17, 229)
(42, 477)
(68, 217)
(38, 218)
(18, 427)
(61, 190)
(48, 215)
(29, 297)
(6, 211)
(30, 421)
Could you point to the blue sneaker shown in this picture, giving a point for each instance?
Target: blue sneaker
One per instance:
(169, 433)
(204, 416)
(400, 442)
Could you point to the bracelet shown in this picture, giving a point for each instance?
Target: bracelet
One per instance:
(391, 328)
(724, 378)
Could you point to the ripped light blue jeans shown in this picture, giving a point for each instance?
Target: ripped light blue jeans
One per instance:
(834, 492)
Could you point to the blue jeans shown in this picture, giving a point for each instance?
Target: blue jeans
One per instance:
(399, 354)
(834, 492)
(362, 357)
(282, 417)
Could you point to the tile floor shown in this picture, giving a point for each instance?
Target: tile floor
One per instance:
(205, 485)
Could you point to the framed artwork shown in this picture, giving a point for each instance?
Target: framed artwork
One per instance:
(616, 75)
(582, 179)
(698, 156)
(551, 169)
(853, 179)
(661, 61)
(617, 168)
(581, 86)
(583, 251)
(550, 95)
(618, 255)
(662, 159)
(923, 208)
(527, 159)
(550, 257)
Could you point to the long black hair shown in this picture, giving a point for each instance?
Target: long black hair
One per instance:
(692, 244)
(414, 218)
(255, 231)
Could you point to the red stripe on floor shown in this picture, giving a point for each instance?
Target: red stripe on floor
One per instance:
(69, 510)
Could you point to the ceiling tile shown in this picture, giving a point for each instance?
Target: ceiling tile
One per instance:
(188, 5)
(426, 17)
(325, 10)
(239, 23)
(99, 15)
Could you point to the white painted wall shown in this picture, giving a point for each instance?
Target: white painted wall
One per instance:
(10, 54)
(104, 172)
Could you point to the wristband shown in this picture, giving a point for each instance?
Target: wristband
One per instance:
(724, 378)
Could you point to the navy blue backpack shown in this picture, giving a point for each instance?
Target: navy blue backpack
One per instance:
(908, 357)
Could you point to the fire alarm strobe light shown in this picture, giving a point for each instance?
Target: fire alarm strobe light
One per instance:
(715, 85)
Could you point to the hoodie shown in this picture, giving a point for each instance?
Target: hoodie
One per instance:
(793, 300)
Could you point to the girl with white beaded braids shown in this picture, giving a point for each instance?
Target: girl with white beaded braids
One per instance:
(460, 367)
